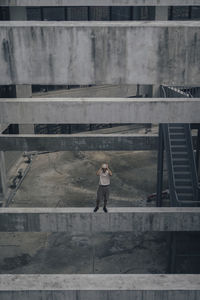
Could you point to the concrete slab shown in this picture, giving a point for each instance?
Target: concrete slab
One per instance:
(99, 52)
(83, 220)
(99, 2)
(92, 282)
(79, 287)
(99, 110)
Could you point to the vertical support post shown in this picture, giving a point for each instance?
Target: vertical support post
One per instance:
(161, 14)
(25, 91)
(18, 13)
(198, 151)
(3, 179)
(160, 167)
(173, 241)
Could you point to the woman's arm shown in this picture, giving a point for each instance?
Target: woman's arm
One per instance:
(110, 172)
(98, 172)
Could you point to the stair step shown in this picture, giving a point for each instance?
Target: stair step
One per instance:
(180, 161)
(184, 175)
(178, 142)
(185, 190)
(181, 168)
(176, 130)
(177, 135)
(180, 155)
(184, 197)
(183, 182)
(176, 125)
(179, 148)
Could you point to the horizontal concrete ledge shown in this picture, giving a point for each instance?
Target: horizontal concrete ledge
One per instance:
(79, 142)
(99, 24)
(99, 52)
(83, 220)
(99, 110)
(99, 2)
(99, 282)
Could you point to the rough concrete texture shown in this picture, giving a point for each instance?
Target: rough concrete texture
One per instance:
(111, 253)
(78, 287)
(60, 253)
(98, 2)
(69, 179)
(101, 282)
(99, 110)
(83, 220)
(100, 52)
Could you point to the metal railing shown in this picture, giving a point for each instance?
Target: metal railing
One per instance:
(182, 92)
(174, 198)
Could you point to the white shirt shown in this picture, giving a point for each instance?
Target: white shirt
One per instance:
(104, 178)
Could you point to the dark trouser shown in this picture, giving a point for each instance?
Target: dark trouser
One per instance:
(103, 194)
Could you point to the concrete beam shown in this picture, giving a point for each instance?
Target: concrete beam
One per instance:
(99, 2)
(83, 220)
(81, 53)
(99, 110)
(79, 142)
(101, 286)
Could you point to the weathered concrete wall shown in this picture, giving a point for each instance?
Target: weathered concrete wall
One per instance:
(45, 52)
(79, 142)
(99, 2)
(99, 110)
(98, 287)
(83, 220)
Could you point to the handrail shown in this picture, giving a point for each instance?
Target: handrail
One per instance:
(192, 160)
(165, 128)
(171, 178)
(196, 186)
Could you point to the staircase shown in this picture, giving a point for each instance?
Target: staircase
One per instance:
(183, 181)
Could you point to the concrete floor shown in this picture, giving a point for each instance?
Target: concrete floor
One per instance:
(69, 178)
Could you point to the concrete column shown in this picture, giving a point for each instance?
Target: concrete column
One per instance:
(18, 13)
(161, 14)
(156, 91)
(3, 178)
(3, 175)
(24, 91)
